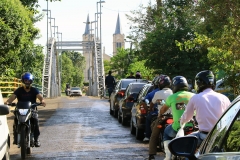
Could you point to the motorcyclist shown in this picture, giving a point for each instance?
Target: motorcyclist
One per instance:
(27, 93)
(208, 105)
(164, 85)
(152, 112)
(110, 83)
(177, 102)
(67, 89)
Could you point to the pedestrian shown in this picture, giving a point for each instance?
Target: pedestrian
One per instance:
(138, 75)
(24, 94)
(207, 104)
(110, 83)
(177, 102)
(164, 85)
(131, 76)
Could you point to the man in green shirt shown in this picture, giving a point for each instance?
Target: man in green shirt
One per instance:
(177, 102)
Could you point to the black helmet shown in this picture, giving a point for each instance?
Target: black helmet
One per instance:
(27, 76)
(179, 83)
(204, 79)
(163, 81)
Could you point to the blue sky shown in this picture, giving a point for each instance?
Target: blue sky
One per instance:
(70, 16)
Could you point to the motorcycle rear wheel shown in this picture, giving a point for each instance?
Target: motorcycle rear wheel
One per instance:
(23, 142)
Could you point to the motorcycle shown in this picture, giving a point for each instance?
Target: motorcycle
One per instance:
(24, 111)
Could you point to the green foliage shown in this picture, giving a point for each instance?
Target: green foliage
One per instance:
(73, 65)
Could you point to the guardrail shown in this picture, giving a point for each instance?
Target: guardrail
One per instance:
(9, 84)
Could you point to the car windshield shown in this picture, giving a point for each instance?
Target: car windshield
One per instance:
(75, 88)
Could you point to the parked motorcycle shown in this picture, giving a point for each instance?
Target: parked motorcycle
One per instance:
(24, 111)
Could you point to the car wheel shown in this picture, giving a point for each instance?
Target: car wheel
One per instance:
(7, 154)
(139, 134)
(119, 118)
(115, 113)
(124, 120)
(132, 128)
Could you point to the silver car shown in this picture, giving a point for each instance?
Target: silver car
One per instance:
(75, 91)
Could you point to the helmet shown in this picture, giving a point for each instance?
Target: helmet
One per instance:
(164, 81)
(27, 76)
(179, 83)
(204, 79)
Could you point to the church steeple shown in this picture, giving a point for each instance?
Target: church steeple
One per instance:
(87, 28)
(118, 37)
(118, 29)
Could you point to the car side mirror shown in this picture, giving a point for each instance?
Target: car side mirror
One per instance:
(188, 146)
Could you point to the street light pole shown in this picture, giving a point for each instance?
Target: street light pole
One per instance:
(46, 10)
(54, 27)
(60, 64)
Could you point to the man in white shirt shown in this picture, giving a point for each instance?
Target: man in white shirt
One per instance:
(208, 104)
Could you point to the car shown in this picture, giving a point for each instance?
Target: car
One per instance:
(139, 113)
(4, 131)
(221, 142)
(75, 91)
(126, 103)
(118, 93)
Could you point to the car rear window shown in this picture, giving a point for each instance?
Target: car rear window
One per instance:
(137, 87)
(126, 83)
(75, 88)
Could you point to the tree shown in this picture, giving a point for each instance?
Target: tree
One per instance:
(160, 49)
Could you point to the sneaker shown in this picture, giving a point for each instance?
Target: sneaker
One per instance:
(145, 139)
(37, 143)
(151, 157)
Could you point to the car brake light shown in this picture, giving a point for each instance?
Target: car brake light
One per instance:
(159, 126)
(130, 99)
(121, 93)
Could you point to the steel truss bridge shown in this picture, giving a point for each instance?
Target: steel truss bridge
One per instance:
(51, 80)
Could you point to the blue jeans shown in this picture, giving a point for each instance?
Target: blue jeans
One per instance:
(200, 136)
(149, 117)
(110, 90)
(169, 133)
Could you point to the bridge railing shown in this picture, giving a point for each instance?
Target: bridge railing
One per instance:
(9, 84)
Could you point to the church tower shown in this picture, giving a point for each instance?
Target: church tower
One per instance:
(118, 37)
(87, 37)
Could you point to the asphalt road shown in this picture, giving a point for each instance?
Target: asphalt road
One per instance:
(82, 128)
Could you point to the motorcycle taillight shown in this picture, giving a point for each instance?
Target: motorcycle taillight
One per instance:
(169, 121)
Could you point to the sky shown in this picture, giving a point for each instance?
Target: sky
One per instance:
(70, 16)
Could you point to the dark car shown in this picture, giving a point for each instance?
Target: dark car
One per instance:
(119, 92)
(221, 142)
(126, 103)
(139, 113)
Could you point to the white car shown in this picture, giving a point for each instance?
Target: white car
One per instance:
(4, 131)
(75, 91)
